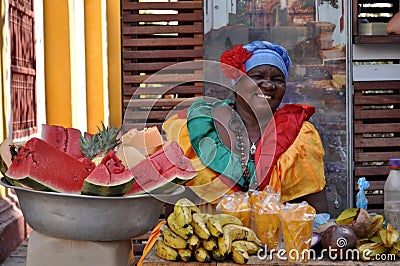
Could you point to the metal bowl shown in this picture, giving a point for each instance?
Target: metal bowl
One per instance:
(91, 218)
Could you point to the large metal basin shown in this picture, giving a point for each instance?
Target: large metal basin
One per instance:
(91, 218)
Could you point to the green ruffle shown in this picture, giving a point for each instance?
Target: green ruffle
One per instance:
(208, 145)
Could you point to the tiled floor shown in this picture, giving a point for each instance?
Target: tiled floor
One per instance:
(18, 257)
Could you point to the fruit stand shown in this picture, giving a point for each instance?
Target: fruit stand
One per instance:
(100, 211)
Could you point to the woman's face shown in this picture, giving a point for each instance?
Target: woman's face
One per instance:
(266, 84)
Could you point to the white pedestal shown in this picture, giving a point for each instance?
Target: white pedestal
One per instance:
(48, 251)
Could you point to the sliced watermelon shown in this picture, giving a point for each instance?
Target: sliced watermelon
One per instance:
(109, 178)
(160, 171)
(42, 166)
(64, 139)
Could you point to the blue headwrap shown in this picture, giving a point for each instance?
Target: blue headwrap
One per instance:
(267, 53)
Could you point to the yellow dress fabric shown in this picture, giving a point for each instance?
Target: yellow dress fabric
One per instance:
(299, 170)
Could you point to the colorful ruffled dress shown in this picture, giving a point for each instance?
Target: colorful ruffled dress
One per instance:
(289, 155)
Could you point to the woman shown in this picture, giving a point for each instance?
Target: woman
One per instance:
(393, 26)
(237, 146)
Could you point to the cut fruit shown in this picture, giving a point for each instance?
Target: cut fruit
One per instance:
(162, 171)
(147, 140)
(129, 155)
(64, 139)
(109, 178)
(42, 166)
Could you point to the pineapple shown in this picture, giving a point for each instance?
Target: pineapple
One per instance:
(97, 146)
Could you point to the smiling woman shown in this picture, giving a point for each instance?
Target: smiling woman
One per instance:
(252, 142)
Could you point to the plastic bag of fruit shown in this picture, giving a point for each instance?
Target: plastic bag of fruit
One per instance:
(297, 224)
(265, 206)
(236, 204)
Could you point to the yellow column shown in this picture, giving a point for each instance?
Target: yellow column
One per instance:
(57, 62)
(114, 62)
(96, 64)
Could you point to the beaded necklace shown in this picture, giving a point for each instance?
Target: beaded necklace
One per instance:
(236, 125)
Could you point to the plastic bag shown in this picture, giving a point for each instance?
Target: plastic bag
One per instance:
(362, 201)
(236, 204)
(265, 216)
(297, 226)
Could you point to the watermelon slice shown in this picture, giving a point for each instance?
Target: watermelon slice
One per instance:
(42, 166)
(161, 171)
(64, 139)
(109, 178)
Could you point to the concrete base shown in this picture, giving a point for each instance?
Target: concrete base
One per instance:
(13, 230)
(48, 251)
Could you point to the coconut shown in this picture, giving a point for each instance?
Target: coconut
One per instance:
(337, 239)
(361, 224)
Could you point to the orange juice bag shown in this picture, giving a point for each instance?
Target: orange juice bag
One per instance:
(265, 217)
(236, 204)
(297, 223)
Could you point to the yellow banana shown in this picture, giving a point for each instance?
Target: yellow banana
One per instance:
(232, 232)
(214, 226)
(217, 221)
(183, 216)
(240, 256)
(201, 255)
(171, 239)
(216, 254)
(183, 210)
(199, 225)
(250, 247)
(185, 254)
(210, 244)
(165, 252)
(185, 233)
(225, 219)
(188, 203)
(194, 242)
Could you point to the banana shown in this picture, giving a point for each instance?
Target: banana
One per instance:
(199, 225)
(165, 252)
(183, 210)
(171, 239)
(188, 203)
(185, 254)
(183, 215)
(217, 221)
(194, 242)
(250, 247)
(210, 244)
(216, 254)
(232, 232)
(201, 255)
(240, 256)
(185, 233)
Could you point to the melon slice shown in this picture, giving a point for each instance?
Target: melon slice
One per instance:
(64, 139)
(147, 140)
(109, 178)
(160, 172)
(5, 154)
(42, 166)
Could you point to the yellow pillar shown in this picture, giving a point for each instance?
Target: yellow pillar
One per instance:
(64, 63)
(57, 62)
(96, 64)
(114, 62)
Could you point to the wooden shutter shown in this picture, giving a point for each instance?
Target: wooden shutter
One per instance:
(376, 134)
(156, 35)
(23, 65)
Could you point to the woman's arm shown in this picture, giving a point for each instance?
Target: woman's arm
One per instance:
(317, 200)
(393, 26)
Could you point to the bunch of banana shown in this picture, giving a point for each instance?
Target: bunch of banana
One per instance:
(189, 233)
